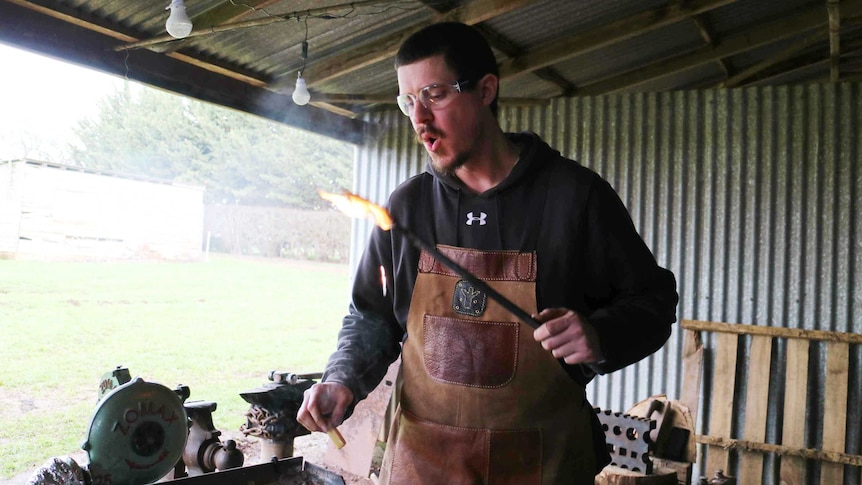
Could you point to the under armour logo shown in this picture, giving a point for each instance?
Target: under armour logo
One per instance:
(481, 218)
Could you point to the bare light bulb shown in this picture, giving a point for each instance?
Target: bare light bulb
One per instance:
(179, 24)
(301, 96)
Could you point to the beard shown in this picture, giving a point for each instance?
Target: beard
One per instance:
(441, 165)
(447, 168)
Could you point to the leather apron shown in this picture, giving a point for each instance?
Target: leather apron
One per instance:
(482, 401)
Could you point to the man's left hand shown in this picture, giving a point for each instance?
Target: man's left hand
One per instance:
(568, 336)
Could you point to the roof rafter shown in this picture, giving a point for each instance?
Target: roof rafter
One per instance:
(225, 12)
(709, 38)
(89, 44)
(807, 61)
(814, 17)
(608, 34)
(788, 53)
(511, 50)
(351, 60)
(119, 33)
(834, 39)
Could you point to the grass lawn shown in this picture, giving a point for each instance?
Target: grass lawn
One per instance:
(218, 327)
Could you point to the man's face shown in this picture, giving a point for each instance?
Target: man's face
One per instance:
(449, 133)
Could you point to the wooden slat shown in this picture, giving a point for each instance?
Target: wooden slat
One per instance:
(692, 366)
(835, 409)
(794, 465)
(756, 401)
(724, 380)
(793, 470)
(817, 455)
(741, 329)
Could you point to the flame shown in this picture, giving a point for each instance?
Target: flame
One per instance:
(355, 206)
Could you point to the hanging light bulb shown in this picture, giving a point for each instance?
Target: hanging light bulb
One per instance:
(179, 24)
(301, 96)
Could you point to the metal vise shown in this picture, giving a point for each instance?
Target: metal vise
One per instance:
(272, 415)
(204, 452)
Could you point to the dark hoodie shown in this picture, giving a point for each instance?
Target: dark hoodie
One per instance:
(590, 259)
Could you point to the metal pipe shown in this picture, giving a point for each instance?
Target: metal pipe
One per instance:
(470, 277)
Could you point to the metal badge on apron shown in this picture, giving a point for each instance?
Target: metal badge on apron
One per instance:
(468, 300)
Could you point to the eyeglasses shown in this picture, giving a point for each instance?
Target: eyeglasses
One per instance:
(434, 96)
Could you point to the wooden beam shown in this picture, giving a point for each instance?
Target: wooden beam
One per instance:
(333, 108)
(806, 61)
(828, 456)
(723, 385)
(244, 24)
(756, 406)
(223, 13)
(331, 102)
(361, 56)
(834, 39)
(372, 99)
(229, 11)
(709, 39)
(811, 18)
(605, 35)
(793, 469)
(509, 49)
(737, 79)
(692, 367)
(782, 332)
(835, 408)
(114, 32)
(26, 27)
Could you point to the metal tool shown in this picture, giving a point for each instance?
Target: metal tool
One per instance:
(628, 439)
(204, 451)
(291, 378)
(272, 415)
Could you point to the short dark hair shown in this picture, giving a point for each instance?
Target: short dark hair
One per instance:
(463, 48)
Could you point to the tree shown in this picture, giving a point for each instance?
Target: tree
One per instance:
(240, 158)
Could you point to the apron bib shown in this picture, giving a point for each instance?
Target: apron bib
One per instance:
(482, 402)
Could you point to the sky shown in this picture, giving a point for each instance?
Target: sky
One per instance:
(41, 99)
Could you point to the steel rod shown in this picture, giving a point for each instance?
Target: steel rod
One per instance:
(470, 277)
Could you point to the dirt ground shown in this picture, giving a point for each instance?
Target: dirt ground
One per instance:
(311, 447)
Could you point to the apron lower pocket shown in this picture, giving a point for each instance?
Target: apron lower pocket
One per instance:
(430, 453)
(470, 352)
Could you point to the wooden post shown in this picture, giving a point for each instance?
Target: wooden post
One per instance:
(756, 401)
(692, 364)
(835, 409)
(724, 380)
(793, 470)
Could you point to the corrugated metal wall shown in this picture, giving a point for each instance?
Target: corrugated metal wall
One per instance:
(750, 196)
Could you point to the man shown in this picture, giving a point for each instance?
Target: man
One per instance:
(485, 398)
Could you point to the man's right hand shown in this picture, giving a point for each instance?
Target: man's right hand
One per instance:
(323, 406)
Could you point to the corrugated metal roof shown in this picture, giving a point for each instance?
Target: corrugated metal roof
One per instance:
(632, 53)
(601, 40)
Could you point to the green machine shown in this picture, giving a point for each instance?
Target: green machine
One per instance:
(138, 431)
